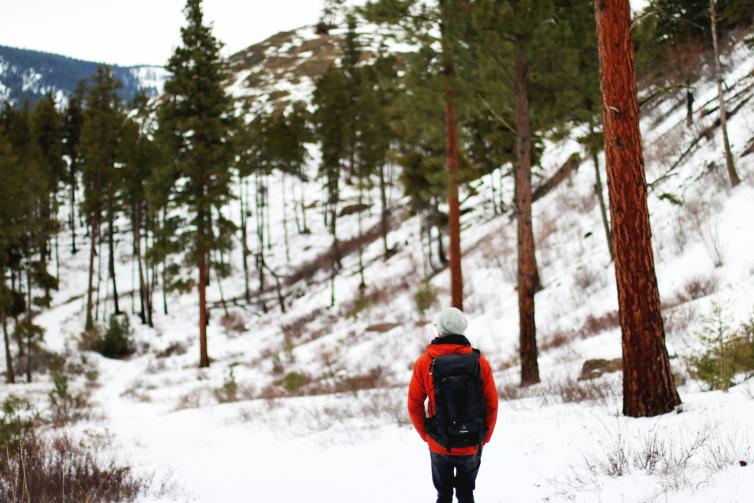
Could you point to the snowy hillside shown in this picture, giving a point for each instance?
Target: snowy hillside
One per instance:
(27, 74)
(319, 392)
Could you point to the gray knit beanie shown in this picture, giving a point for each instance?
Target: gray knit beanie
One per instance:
(451, 321)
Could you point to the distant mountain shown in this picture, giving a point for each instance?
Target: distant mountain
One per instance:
(283, 69)
(27, 74)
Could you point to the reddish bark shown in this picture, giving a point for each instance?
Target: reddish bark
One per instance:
(454, 212)
(203, 357)
(527, 266)
(648, 387)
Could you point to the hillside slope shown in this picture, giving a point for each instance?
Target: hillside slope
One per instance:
(309, 404)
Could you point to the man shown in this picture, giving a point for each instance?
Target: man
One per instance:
(457, 376)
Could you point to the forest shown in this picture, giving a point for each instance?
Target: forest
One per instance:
(146, 200)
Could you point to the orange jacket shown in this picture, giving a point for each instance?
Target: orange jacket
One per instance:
(421, 388)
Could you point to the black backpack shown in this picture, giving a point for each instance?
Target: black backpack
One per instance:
(459, 419)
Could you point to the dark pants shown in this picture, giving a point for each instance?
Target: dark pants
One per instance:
(455, 471)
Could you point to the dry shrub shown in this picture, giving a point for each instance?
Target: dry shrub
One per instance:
(707, 227)
(596, 324)
(557, 339)
(233, 322)
(63, 471)
(375, 296)
(298, 327)
(546, 227)
(190, 400)
(592, 325)
(585, 203)
(174, 348)
(374, 378)
(678, 320)
(599, 391)
(677, 460)
(596, 390)
(585, 277)
(699, 286)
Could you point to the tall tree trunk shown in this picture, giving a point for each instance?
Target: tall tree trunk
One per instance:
(303, 202)
(362, 281)
(29, 324)
(527, 267)
(16, 332)
(383, 213)
(689, 104)
(729, 162)
(93, 231)
(203, 356)
(601, 197)
(648, 387)
(334, 234)
(244, 238)
(454, 210)
(436, 219)
(137, 253)
(267, 211)
(111, 258)
(72, 209)
(10, 377)
(285, 218)
(259, 203)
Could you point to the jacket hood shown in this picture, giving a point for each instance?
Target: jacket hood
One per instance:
(448, 348)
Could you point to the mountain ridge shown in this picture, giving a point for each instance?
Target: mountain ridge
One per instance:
(27, 74)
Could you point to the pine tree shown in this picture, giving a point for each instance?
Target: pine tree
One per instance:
(72, 123)
(418, 22)
(648, 387)
(12, 213)
(197, 114)
(47, 152)
(140, 156)
(99, 152)
(729, 162)
(331, 130)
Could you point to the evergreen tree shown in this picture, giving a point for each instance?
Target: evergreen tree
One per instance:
(140, 156)
(72, 122)
(47, 152)
(99, 152)
(419, 21)
(197, 117)
(332, 131)
(13, 211)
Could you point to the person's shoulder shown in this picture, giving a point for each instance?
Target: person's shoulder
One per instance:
(484, 362)
(423, 360)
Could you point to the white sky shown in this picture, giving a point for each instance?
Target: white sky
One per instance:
(129, 32)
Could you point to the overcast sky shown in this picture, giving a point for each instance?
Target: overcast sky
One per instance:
(129, 32)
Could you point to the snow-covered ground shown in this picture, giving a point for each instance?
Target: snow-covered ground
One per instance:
(163, 415)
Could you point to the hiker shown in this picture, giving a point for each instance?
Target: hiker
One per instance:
(458, 378)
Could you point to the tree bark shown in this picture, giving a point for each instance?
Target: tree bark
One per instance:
(244, 238)
(90, 286)
(527, 266)
(111, 259)
(648, 387)
(383, 213)
(454, 207)
(203, 356)
(729, 162)
(10, 377)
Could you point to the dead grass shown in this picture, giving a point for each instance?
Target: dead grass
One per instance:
(233, 322)
(64, 471)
